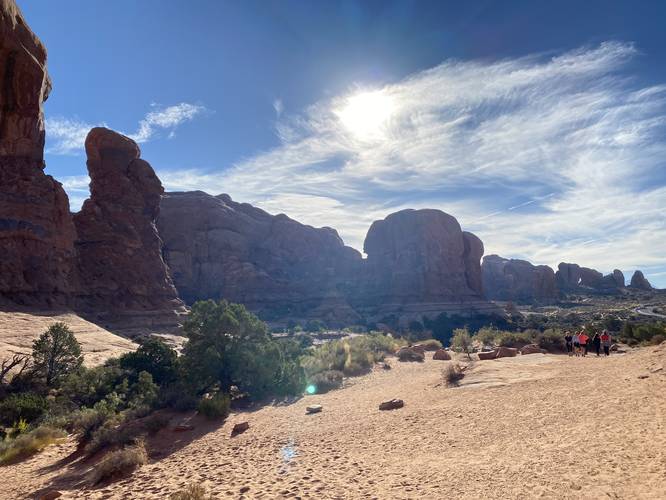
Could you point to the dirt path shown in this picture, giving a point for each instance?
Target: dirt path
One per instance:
(527, 427)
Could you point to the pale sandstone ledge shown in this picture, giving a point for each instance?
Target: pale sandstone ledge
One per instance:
(19, 329)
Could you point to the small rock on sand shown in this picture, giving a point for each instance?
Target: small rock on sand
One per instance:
(393, 404)
(183, 428)
(313, 409)
(240, 428)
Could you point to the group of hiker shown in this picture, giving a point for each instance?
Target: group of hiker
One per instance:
(579, 343)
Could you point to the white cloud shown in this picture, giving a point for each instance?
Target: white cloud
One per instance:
(67, 136)
(549, 159)
(278, 106)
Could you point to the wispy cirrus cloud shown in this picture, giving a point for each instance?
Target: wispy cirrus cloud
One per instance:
(550, 159)
(66, 136)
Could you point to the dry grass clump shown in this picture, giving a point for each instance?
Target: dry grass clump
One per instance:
(453, 374)
(216, 407)
(430, 344)
(25, 445)
(120, 462)
(191, 492)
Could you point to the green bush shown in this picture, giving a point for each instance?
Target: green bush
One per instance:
(27, 406)
(156, 358)
(56, 353)
(228, 346)
(112, 434)
(462, 342)
(552, 341)
(486, 335)
(430, 344)
(326, 381)
(25, 445)
(87, 420)
(216, 407)
(119, 463)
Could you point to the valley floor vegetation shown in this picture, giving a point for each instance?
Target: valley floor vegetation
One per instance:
(230, 357)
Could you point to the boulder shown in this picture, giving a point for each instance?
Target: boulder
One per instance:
(410, 354)
(639, 281)
(392, 404)
(484, 355)
(183, 428)
(240, 428)
(119, 251)
(313, 409)
(37, 251)
(532, 349)
(441, 355)
(517, 280)
(419, 348)
(506, 352)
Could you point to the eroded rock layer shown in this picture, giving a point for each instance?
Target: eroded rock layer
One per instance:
(36, 231)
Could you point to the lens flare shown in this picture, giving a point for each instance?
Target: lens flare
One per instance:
(311, 389)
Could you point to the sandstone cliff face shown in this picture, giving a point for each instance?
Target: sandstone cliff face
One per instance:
(517, 280)
(217, 248)
(639, 281)
(572, 276)
(36, 231)
(119, 251)
(420, 256)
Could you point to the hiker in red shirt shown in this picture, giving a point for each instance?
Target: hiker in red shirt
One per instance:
(582, 339)
(606, 342)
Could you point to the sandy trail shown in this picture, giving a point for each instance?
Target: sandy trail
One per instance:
(527, 427)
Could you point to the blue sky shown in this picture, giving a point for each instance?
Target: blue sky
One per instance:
(539, 125)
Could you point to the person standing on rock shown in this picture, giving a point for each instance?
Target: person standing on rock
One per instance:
(596, 342)
(568, 341)
(582, 339)
(576, 344)
(606, 342)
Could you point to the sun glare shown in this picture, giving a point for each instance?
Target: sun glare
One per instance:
(366, 115)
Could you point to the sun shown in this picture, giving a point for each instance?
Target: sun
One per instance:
(366, 115)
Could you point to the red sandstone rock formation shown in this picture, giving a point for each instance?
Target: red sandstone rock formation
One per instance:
(517, 280)
(36, 231)
(217, 248)
(640, 282)
(119, 251)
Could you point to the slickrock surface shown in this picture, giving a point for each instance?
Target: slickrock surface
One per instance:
(537, 426)
(19, 329)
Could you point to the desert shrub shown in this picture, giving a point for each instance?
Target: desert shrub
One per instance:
(25, 445)
(27, 406)
(87, 420)
(216, 407)
(351, 356)
(641, 332)
(153, 423)
(180, 396)
(143, 393)
(112, 434)
(430, 344)
(88, 386)
(156, 358)
(192, 491)
(657, 339)
(486, 335)
(452, 374)
(443, 326)
(56, 353)
(228, 346)
(514, 339)
(326, 381)
(119, 463)
(462, 342)
(551, 340)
